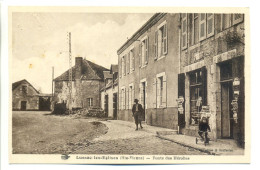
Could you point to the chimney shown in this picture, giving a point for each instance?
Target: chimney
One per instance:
(78, 67)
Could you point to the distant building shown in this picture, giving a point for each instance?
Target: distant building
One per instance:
(87, 81)
(26, 97)
(148, 71)
(109, 93)
(211, 78)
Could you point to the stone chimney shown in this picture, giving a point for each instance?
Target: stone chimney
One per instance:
(78, 67)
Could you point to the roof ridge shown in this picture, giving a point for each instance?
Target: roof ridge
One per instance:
(92, 68)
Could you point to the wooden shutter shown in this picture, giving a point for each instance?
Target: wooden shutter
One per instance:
(164, 92)
(128, 63)
(202, 26)
(130, 101)
(140, 54)
(125, 64)
(146, 50)
(165, 40)
(127, 98)
(184, 31)
(133, 94)
(158, 93)
(154, 93)
(210, 25)
(133, 60)
(156, 45)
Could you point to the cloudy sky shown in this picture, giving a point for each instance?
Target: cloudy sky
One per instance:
(39, 41)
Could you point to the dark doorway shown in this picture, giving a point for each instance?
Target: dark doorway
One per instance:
(181, 94)
(143, 98)
(106, 105)
(226, 112)
(23, 105)
(115, 106)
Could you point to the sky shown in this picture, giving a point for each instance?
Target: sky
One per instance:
(40, 42)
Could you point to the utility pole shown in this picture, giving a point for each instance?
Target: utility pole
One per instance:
(70, 75)
(52, 82)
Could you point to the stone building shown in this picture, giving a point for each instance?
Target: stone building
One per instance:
(211, 79)
(87, 80)
(109, 93)
(148, 71)
(26, 97)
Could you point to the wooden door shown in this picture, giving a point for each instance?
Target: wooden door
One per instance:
(115, 106)
(23, 105)
(226, 113)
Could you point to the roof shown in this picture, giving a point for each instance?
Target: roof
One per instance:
(113, 68)
(153, 20)
(90, 71)
(18, 83)
(44, 95)
(107, 75)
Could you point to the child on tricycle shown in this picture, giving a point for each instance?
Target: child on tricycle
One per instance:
(203, 130)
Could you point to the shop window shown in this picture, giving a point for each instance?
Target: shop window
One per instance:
(226, 71)
(198, 96)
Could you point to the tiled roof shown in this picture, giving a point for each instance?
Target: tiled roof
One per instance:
(90, 71)
(18, 83)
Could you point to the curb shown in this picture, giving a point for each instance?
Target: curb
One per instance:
(187, 145)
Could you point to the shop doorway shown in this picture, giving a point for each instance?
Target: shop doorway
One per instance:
(23, 105)
(226, 112)
(106, 105)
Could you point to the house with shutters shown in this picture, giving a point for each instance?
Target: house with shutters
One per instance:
(109, 93)
(211, 79)
(148, 65)
(87, 81)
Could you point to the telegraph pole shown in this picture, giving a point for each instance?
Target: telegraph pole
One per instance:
(70, 75)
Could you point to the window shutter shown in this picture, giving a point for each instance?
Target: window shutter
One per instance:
(237, 18)
(158, 93)
(128, 63)
(125, 64)
(154, 92)
(133, 94)
(204, 85)
(156, 45)
(127, 98)
(210, 25)
(146, 50)
(140, 54)
(141, 93)
(165, 40)
(164, 93)
(130, 101)
(202, 26)
(133, 60)
(124, 98)
(184, 31)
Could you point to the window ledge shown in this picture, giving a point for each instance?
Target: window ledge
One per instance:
(159, 58)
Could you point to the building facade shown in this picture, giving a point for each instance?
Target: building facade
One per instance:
(87, 81)
(148, 71)
(109, 93)
(26, 97)
(211, 79)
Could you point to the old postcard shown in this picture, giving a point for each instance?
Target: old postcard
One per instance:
(110, 85)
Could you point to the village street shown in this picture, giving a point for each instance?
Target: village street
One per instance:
(43, 133)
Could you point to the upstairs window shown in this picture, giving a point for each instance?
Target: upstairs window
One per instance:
(161, 41)
(184, 31)
(123, 67)
(202, 26)
(24, 89)
(237, 18)
(143, 52)
(226, 21)
(132, 60)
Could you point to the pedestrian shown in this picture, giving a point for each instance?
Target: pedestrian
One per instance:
(204, 128)
(137, 113)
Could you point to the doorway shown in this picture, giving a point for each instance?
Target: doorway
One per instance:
(226, 112)
(23, 105)
(115, 106)
(106, 105)
(143, 92)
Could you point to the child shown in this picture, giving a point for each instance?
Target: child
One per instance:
(203, 128)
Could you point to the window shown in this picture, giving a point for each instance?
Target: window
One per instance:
(90, 102)
(123, 96)
(143, 52)
(237, 18)
(123, 67)
(132, 60)
(161, 41)
(202, 26)
(195, 28)
(160, 90)
(184, 31)
(210, 25)
(128, 63)
(197, 94)
(24, 89)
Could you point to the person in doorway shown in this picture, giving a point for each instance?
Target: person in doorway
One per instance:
(204, 128)
(137, 113)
